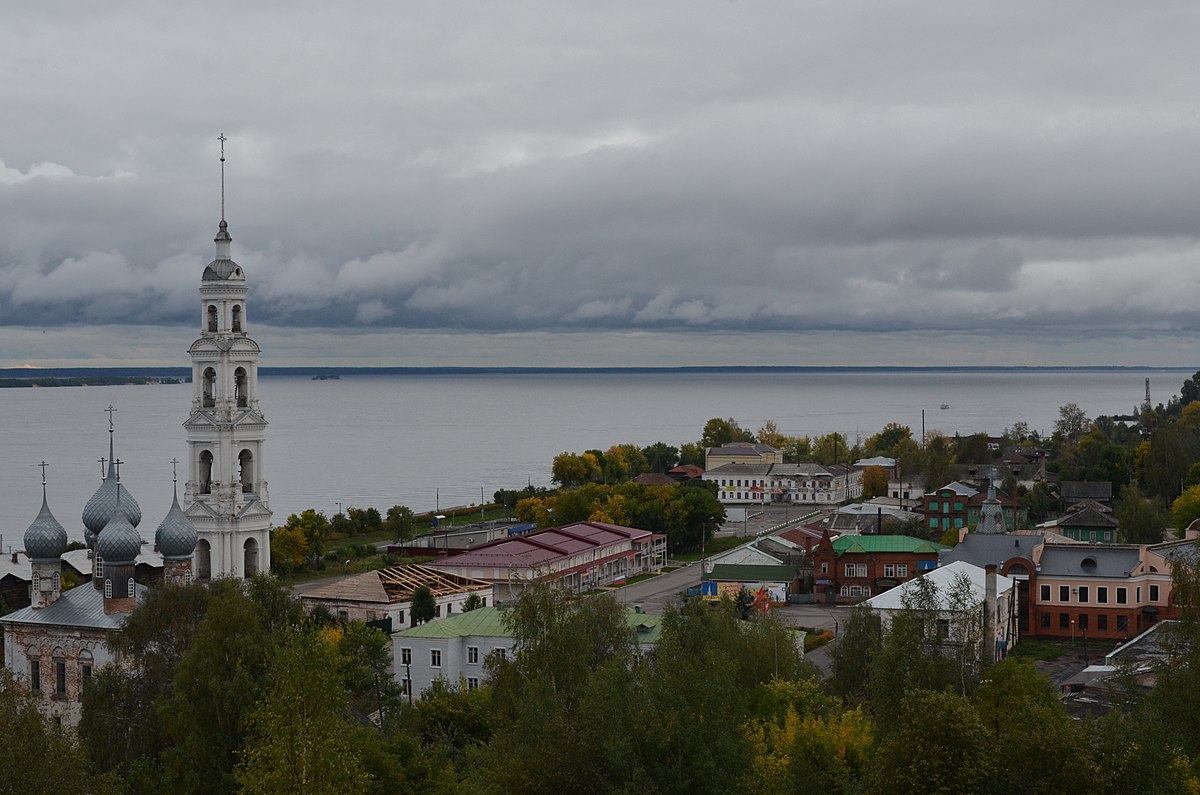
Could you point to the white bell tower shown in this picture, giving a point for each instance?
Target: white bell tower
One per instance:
(226, 491)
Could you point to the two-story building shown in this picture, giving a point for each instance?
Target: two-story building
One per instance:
(806, 483)
(849, 569)
(455, 650)
(957, 505)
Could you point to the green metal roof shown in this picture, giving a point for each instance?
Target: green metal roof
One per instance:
(751, 572)
(489, 622)
(861, 544)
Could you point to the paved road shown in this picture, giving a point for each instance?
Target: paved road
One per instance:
(655, 593)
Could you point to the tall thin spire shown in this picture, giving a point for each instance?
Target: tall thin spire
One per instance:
(222, 139)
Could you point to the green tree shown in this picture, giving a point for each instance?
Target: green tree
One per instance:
(569, 470)
(891, 441)
(937, 464)
(858, 642)
(424, 606)
(1072, 422)
(937, 744)
(472, 602)
(1139, 520)
(38, 756)
(875, 482)
(1033, 738)
(367, 670)
(1186, 508)
(691, 453)
(718, 432)
(401, 523)
(660, 457)
(831, 449)
(315, 528)
(769, 434)
(289, 548)
(299, 735)
(217, 682)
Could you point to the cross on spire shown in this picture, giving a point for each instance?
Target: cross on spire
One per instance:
(117, 466)
(110, 410)
(43, 465)
(222, 139)
(102, 461)
(174, 474)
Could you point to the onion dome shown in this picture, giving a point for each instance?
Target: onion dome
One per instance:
(45, 539)
(103, 505)
(118, 542)
(176, 536)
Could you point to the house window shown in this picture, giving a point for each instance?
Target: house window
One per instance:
(449, 608)
(1153, 593)
(406, 656)
(958, 506)
(824, 568)
(845, 590)
(1092, 536)
(437, 611)
(473, 655)
(1138, 594)
(60, 677)
(1045, 595)
(1064, 620)
(889, 570)
(85, 675)
(501, 654)
(1102, 594)
(435, 658)
(1083, 622)
(1064, 593)
(958, 522)
(1084, 596)
(943, 628)
(472, 683)
(1121, 596)
(1045, 619)
(35, 674)
(901, 569)
(856, 590)
(1122, 623)
(1102, 622)
(933, 523)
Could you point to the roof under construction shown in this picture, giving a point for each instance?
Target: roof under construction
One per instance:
(395, 584)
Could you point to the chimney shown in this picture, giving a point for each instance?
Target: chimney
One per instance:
(987, 648)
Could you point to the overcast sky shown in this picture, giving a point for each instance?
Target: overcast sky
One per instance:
(613, 183)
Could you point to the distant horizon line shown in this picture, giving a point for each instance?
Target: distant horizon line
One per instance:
(44, 372)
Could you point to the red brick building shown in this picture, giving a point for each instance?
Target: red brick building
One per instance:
(849, 569)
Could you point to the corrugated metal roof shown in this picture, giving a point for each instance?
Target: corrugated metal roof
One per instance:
(861, 544)
(1086, 560)
(750, 572)
(82, 606)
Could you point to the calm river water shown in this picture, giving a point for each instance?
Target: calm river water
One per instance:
(437, 440)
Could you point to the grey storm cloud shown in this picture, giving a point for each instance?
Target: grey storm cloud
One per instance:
(568, 167)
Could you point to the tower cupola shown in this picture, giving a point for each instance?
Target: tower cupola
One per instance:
(45, 542)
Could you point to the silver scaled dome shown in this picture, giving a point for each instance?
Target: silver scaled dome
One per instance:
(118, 542)
(45, 539)
(176, 536)
(102, 507)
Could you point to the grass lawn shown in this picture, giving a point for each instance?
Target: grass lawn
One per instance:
(638, 578)
(711, 548)
(1037, 649)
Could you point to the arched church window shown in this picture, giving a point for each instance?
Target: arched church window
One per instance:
(210, 386)
(57, 581)
(37, 582)
(239, 386)
(246, 474)
(131, 585)
(108, 589)
(237, 318)
(99, 567)
(212, 318)
(206, 462)
(187, 576)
